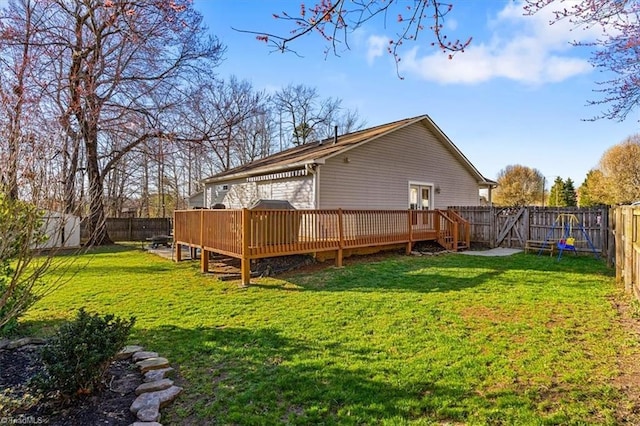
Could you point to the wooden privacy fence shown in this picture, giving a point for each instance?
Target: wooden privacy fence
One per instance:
(625, 225)
(514, 226)
(254, 234)
(131, 229)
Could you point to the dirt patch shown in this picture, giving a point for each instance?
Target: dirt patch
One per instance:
(473, 314)
(278, 265)
(428, 247)
(109, 406)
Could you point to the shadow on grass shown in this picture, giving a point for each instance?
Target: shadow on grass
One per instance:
(445, 273)
(400, 279)
(115, 269)
(112, 248)
(428, 274)
(244, 376)
(40, 328)
(108, 266)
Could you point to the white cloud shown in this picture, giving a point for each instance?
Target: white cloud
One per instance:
(521, 48)
(375, 47)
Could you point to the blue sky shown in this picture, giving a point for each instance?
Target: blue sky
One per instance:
(517, 95)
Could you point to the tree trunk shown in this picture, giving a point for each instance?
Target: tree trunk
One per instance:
(12, 169)
(98, 234)
(144, 209)
(122, 184)
(70, 171)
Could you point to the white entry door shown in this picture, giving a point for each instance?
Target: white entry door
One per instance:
(420, 197)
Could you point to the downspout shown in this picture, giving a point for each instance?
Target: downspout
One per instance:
(314, 170)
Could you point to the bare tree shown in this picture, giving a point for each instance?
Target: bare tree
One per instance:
(18, 30)
(123, 65)
(347, 121)
(257, 136)
(306, 116)
(221, 114)
(235, 103)
(28, 170)
(303, 112)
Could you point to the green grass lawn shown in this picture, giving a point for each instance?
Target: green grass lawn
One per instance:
(449, 339)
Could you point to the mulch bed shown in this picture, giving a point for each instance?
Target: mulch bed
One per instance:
(109, 406)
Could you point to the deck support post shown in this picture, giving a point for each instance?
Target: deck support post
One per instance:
(204, 254)
(175, 246)
(204, 261)
(410, 242)
(340, 240)
(245, 260)
(245, 272)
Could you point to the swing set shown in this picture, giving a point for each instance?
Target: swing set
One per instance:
(566, 223)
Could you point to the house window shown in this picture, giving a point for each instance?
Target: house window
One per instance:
(225, 187)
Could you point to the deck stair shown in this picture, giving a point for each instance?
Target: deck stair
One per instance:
(459, 239)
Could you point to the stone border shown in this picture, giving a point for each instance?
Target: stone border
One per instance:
(18, 343)
(431, 253)
(156, 391)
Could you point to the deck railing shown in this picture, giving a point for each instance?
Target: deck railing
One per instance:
(188, 225)
(221, 230)
(253, 234)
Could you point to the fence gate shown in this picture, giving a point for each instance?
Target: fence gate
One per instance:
(511, 226)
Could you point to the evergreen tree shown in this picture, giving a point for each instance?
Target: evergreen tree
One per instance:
(569, 195)
(556, 195)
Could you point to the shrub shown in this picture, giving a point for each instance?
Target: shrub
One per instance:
(20, 231)
(80, 352)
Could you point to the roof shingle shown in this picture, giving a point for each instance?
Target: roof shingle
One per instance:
(318, 150)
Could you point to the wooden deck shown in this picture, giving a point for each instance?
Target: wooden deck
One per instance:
(253, 234)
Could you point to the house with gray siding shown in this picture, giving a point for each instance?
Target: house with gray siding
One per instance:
(409, 163)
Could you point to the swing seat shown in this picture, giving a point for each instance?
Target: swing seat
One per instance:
(567, 244)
